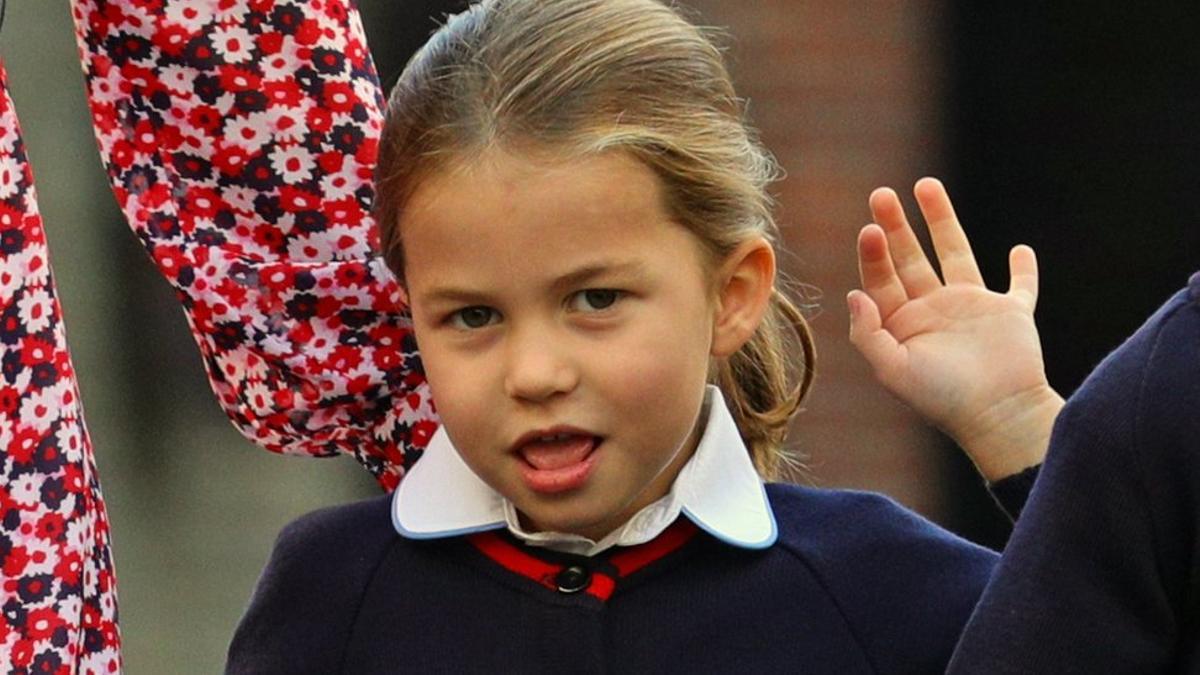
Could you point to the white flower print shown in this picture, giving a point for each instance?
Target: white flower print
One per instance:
(10, 279)
(364, 91)
(76, 529)
(180, 81)
(43, 554)
(281, 65)
(339, 185)
(250, 132)
(11, 175)
(258, 396)
(275, 67)
(234, 43)
(258, 370)
(8, 134)
(106, 87)
(347, 246)
(71, 605)
(26, 489)
(310, 247)
(278, 344)
(192, 15)
(232, 10)
(40, 410)
(21, 383)
(70, 442)
(287, 124)
(352, 297)
(293, 163)
(320, 346)
(36, 310)
(32, 264)
(232, 367)
(240, 198)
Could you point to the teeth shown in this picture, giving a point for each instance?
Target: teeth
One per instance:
(554, 438)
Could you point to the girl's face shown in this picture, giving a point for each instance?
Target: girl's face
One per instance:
(565, 325)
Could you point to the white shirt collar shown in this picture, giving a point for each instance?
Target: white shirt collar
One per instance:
(718, 490)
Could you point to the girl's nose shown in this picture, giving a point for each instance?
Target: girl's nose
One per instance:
(538, 369)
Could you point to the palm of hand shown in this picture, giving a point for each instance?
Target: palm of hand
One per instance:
(960, 350)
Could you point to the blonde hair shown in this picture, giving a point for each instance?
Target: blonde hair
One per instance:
(588, 76)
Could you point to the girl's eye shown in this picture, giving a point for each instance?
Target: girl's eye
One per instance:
(471, 318)
(594, 299)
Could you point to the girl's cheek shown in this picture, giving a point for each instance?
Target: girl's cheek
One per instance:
(654, 370)
(443, 374)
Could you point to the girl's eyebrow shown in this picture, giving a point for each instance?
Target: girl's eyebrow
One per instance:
(574, 278)
(453, 295)
(584, 274)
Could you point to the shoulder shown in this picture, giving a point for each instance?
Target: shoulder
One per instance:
(348, 527)
(840, 522)
(302, 612)
(1173, 344)
(1168, 340)
(852, 532)
(1144, 391)
(332, 551)
(904, 585)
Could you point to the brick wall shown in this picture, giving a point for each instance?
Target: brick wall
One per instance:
(847, 96)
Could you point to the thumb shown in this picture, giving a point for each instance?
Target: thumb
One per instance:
(1023, 269)
(867, 334)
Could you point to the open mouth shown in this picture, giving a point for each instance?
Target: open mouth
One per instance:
(557, 462)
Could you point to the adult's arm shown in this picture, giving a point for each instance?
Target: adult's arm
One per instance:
(1099, 575)
(240, 141)
(58, 598)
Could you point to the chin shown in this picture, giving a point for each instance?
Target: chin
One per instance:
(561, 518)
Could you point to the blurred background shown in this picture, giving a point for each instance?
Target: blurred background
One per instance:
(1072, 128)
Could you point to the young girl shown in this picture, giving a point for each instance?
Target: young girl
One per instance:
(569, 194)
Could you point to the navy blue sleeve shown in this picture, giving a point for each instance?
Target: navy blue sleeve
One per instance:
(1011, 492)
(904, 585)
(1098, 574)
(304, 607)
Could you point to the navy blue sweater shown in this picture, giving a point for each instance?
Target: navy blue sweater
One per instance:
(1102, 574)
(855, 584)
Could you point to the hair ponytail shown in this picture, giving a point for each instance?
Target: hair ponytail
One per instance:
(764, 383)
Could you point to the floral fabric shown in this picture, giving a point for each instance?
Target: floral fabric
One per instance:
(58, 605)
(240, 137)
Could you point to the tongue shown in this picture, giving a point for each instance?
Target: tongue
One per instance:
(551, 455)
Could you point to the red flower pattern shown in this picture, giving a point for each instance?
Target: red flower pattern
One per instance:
(54, 539)
(240, 138)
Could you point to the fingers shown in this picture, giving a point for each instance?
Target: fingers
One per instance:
(878, 274)
(911, 265)
(949, 241)
(877, 345)
(1023, 268)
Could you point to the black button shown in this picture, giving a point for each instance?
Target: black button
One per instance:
(573, 579)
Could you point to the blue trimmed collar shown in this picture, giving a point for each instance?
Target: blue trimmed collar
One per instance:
(718, 490)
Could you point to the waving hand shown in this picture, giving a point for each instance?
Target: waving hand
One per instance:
(965, 357)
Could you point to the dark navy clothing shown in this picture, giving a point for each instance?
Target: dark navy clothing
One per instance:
(1102, 574)
(854, 584)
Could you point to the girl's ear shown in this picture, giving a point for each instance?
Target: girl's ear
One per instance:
(746, 281)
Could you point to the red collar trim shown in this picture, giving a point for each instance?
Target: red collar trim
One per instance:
(626, 561)
(634, 558)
